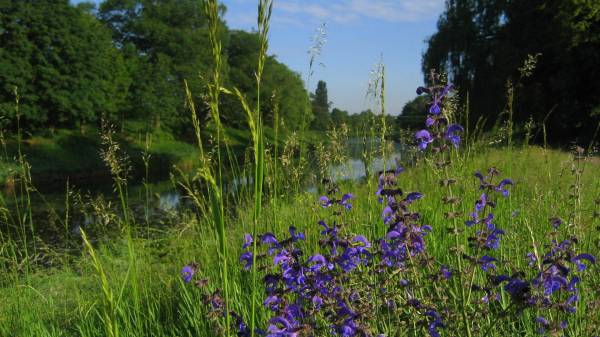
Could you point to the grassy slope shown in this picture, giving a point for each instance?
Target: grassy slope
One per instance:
(65, 301)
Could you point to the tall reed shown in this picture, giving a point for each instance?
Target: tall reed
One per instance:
(214, 175)
(109, 311)
(255, 124)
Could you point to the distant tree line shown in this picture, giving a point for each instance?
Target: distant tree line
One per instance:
(127, 60)
(326, 117)
(482, 45)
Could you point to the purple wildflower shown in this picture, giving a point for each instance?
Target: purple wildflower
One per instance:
(487, 263)
(445, 272)
(247, 258)
(187, 272)
(248, 240)
(424, 138)
(578, 261)
(452, 134)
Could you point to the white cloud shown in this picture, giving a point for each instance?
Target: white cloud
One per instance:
(351, 11)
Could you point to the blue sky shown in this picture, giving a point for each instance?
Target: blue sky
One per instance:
(359, 33)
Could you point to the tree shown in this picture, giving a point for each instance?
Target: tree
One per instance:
(164, 42)
(482, 45)
(413, 114)
(360, 123)
(320, 107)
(281, 88)
(63, 62)
(339, 117)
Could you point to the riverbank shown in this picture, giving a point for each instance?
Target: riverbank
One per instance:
(62, 155)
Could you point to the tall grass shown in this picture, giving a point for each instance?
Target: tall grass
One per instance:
(127, 284)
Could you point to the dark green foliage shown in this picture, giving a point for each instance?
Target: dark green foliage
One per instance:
(320, 107)
(164, 42)
(339, 117)
(482, 45)
(362, 122)
(63, 62)
(413, 114)
(70, 71)
(280, 86)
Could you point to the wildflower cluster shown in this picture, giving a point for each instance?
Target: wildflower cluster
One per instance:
(554, 288)
(303, 292)
(440, 133)
(399, 251)
(404, 237)
(487, 236)
(335, 289)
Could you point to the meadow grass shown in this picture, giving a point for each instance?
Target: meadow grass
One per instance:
(69, 301)
(126, 279)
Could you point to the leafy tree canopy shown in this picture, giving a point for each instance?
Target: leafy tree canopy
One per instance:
(62, 61)
(483, 44)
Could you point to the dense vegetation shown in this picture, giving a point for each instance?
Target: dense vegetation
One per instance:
(127, 60)
(466, 234)
(484, 46)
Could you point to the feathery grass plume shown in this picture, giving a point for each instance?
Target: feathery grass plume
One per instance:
(255, 124)
(529, 126)
(289, 163)
(525, 71)
(21, 194)
(323, 160)
(318, 41)
(210, 171)
(338, 147)
(117, 162)
(376, 93)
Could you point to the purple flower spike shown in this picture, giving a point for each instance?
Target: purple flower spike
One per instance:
(295, 236)
(446, 90)
(532, 259)
(413, 196)
(542, 321)
(487, 263)
(502, 186)
(269, 239)
(424, 138)
(280, 326)
(429, 122)
(318, 261)
(446, 272)
(346, 200)
(556, 222)
(361, 241)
